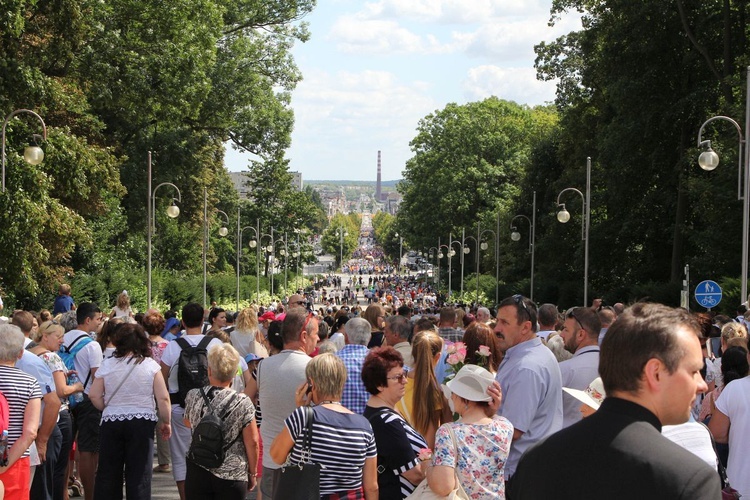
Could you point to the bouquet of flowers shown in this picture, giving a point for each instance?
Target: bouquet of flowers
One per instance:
(457, 358)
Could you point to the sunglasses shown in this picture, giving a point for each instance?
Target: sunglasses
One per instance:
(518, 298)
(572, 314)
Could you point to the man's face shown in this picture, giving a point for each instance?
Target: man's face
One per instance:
(680, 388)
(94, 324)
(312, 335)
(570, 334)
(482, 316)
(509, 333)
(390, 337)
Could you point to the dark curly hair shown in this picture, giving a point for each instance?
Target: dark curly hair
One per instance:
(377, 364)
(131, 340)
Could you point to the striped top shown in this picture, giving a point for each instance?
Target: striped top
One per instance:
(18, 388)
(340, 444)
(398, 447)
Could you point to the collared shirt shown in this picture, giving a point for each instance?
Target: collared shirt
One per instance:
(451, 334)
(532, 395)
(355, 395)
(577, 373)
(602, 333)
(405, 349)
(37, 368)
(544, 333)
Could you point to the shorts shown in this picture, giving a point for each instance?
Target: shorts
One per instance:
(266, 482)
(86, 420)
(16, 479)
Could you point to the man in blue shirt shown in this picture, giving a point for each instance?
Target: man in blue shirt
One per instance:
(63, 302)
(357, 333)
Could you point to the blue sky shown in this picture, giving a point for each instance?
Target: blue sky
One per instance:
(373, 69)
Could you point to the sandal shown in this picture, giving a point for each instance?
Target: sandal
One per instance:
(163, 468)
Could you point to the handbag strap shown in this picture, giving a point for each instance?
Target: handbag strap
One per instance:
(461, 491)
(719, 465)
(306, 454)
(122, 381)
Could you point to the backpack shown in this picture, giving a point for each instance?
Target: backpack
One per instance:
(192, 368)
(207, 447)
(68, 355)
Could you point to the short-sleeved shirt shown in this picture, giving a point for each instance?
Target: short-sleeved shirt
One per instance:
(135, 397)
(482, 452)
(89, 357)
(340, 444)
(355, 394)
(241, 414)
(734, 402)
(18, 388)
(398, 449)
(577, 373)
(63, 303)
(38, 369)
(451, 334)
(532, 395)
(172, 354)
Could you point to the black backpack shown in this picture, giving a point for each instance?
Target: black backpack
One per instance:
(192, 368)
(207, 448)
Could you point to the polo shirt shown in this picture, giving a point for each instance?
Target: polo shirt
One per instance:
(529, 376)
(577, 373)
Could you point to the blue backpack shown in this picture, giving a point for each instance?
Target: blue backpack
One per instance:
(68, 355)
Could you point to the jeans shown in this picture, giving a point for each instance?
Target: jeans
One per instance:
(125, 445)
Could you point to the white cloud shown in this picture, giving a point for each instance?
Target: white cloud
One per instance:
(513, 84)
(354, 34)
(452, 11)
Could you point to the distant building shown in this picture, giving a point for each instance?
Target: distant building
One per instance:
(297, 180)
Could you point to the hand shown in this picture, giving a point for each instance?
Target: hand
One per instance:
(41, 449)
(496, 393)
(77, 387)
(301, 396)
(166, 430)
(252, 481)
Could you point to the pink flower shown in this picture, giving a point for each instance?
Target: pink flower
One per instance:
(484, 350)
(452, 359)
(450, 348)
(425, 454)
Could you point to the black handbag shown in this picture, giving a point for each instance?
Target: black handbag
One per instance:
(300, 481)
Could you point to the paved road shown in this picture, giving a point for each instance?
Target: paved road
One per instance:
(164, 488)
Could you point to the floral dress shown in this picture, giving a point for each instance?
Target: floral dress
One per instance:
(482, 452)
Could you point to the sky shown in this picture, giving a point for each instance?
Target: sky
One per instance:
(372, 69)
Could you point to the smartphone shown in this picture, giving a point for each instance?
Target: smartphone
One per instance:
(309, 387)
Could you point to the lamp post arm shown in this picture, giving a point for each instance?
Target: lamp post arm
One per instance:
(583, 206)
(153, 202)
(5, 123)
(742, 141)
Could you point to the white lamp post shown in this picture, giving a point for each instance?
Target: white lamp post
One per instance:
(516, 236)
(223, 231)
(34, 155)
(564, 216)
(709, 160)
(172, 212)
(341, 233)
(253, 244)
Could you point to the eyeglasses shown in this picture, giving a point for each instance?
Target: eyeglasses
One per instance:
(519, 301)
(401, 377)
(572, 314)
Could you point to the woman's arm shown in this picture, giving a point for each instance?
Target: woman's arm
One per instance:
(250, 438)
(96, 393)
(719, 426)
(415, 475)
(28, 435)
(61, 385)
(281, 446)
(441, 479)
(163, 406)
(370, 478)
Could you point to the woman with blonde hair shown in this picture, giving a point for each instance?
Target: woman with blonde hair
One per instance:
(246, 336)
(423, 404)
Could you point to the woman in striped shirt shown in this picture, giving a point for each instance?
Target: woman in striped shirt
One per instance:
(342, 442)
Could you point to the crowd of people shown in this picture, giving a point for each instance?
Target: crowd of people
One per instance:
(519, 402)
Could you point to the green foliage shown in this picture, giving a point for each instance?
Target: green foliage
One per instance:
(332, 240)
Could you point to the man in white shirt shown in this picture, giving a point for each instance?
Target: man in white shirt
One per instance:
(581, 335)
(86, 417)
(548, 317)
(192, 320)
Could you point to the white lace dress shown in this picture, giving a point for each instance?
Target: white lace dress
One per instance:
(135, 398)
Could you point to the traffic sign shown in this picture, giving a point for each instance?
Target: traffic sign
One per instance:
(708, 294)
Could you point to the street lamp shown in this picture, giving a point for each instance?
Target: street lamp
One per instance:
(284, 253)
(516, 236)
(253, 244)
(341, 233)
(482, 244)
(400, 251)
(450, 252)
(433, 252)
(564, 216)
(34, 155)
(223, 231)
(709, 160)
(269, 251)
(173, 211)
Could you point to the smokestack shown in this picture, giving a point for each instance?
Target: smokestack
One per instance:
(378, 193)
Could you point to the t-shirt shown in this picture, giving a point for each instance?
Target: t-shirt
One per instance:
(278, 378)
(135, 397)
(89, 357)
(18, 388)
(63, 303)
(241, 414)
(172, 354)
(38, 369)
(398, 449)
(734, 402)
(55, 364)
(340, 444)
(482, 452)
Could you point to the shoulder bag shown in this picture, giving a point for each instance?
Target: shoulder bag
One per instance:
(423, 491)
(300, 481)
